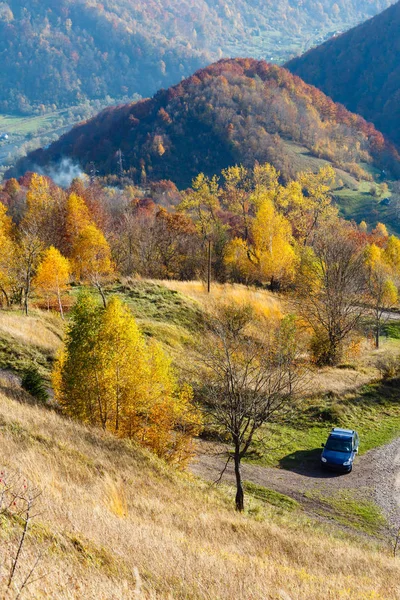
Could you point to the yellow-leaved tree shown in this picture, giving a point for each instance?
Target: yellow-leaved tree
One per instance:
(392, 254)
(202, 203)
(382, 292)
(38, 200)
(91, 258)
(109, 376)
(8, 255)
(35, 231)
(52, 276)
(307, 202)
(270, 255)
(273, 245)
(89, 250)
(77, 217)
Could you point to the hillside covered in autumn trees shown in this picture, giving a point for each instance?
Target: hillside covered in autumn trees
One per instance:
(361, 70)
(259, 231)
(56, 54)
(234, 111)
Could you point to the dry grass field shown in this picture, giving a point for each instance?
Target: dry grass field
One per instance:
(357, 371)
(268, 303)
(115, 523)
(39, 330)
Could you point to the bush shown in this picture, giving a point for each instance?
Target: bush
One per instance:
(34, 384)
(389, 366)
(322, 351)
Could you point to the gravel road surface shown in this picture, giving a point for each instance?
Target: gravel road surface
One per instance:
(375, 476)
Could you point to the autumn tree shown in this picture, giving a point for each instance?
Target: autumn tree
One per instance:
(77, 217)
(251, 374)
(95, 382)
(28, 255)
(331, 286)
(273, 249)
(89, 250)
(91, 258)
(202, 204)
(382, 292)
(8, 255)
(245, 190)
(391, 254)
(38, 200)
(307, 202)
(33, 232)
(175, 239)
(52, 276)
(269, 255)
(45, 211)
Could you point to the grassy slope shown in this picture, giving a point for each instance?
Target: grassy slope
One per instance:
(108, 507)
(29, 340)
(172, 312)
(354, 197)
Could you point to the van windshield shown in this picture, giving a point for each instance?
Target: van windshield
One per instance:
(337, 445)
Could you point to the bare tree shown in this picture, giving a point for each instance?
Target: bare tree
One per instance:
(30, 250)
(252, 373)
(331, 288)
(18, 502)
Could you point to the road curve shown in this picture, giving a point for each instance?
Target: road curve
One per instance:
(375, 476)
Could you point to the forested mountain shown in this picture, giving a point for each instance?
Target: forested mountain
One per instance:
(55, 53)
(361, 69)
(234, 111)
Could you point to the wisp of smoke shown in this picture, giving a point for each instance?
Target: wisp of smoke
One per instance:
(63, 173)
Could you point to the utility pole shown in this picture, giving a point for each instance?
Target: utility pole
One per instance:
(209, 267)
(120, 157)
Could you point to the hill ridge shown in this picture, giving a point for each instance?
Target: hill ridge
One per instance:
(360, 69)
(235, 110)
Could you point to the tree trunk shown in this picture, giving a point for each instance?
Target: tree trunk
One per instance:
(26, 303)
(8, 304)
(101, 292)
(333, 353)
(27, 292)
(60, 304)
(239, 486)
(377, 334)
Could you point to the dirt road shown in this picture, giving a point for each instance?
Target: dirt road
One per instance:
(375, 476)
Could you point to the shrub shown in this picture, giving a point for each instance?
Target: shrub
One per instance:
(33, 382)
(322, 351)
(388, 366)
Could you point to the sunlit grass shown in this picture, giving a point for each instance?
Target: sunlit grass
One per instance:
(40, 330)
(349, 510)
(262, 301)
(110, 511)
